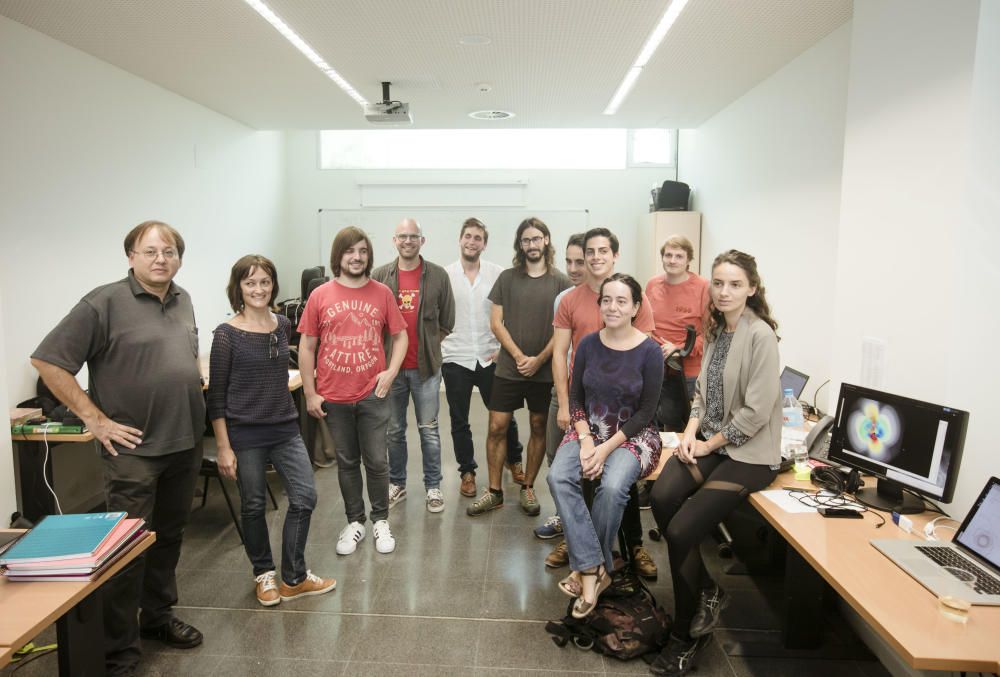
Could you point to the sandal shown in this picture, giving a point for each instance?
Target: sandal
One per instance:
(570, 586)
(582, 608)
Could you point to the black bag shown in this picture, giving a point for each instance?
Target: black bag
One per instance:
(292, 309)
(674, 196)
(627, 622)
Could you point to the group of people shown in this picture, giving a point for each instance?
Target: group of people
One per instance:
(585, 351)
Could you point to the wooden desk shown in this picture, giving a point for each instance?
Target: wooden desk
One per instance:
(6, 653)
(902, 612)
(28, 608)
(35, 500)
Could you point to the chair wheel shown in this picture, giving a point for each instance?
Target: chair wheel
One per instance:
(583, 643)
(655, 535)
(725, 551)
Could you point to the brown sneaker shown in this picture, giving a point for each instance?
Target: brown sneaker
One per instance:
(468, 488)
(310, 585)
(267, 589)
(643, 563)
(558, 557)
(516, 472)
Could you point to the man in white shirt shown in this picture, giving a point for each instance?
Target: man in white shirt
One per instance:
(470, 352)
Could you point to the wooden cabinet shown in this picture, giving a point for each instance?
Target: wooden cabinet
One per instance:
(656, 227)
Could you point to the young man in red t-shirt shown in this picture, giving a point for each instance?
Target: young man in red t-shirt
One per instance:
(679, 298)
(343, 338)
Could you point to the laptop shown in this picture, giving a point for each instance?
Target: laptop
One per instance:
(975, 548)
(794, 379)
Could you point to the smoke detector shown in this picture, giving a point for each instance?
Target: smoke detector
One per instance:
(491, 115)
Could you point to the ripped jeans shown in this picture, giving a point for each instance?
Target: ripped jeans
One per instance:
(426, 402)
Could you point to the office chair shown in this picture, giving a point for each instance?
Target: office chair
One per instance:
(308, 275)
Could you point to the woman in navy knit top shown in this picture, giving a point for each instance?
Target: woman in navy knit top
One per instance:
(617, 373)
(256, 423)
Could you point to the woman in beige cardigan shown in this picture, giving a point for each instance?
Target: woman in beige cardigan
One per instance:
(730, 448)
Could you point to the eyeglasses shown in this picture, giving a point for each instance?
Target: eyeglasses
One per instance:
(528, 241)
(153, 254)
(404, 237)
(273, 351)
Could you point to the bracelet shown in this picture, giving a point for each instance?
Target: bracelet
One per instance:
(583, 437)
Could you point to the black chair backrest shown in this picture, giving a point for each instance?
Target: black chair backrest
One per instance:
(313, 283)
(690, 337)
(308, 275)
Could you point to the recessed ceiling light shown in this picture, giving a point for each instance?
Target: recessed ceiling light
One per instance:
(648, 49)
(475, 40)
(301, 45)
(491, 115)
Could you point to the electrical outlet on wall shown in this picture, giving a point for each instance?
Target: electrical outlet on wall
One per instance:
(873, 356)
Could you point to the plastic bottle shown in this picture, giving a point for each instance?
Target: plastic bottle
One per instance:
(791, 411)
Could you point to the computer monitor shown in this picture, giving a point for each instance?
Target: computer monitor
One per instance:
(904, 443)
(794, 379)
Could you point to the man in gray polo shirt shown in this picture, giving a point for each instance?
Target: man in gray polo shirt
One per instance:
(138, 338)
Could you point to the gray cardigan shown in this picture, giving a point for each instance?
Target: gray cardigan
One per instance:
(752, 389)
(436, 312)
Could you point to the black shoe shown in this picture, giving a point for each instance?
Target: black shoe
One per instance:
(677, 658)
(642, 488)
(711, 602)
(175, 633)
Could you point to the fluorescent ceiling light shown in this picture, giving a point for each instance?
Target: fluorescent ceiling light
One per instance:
(306, 50)
(648, 49)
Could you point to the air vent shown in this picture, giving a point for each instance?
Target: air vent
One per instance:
(491, 115)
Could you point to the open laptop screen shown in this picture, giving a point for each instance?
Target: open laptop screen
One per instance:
(980, 532)
(796, 380)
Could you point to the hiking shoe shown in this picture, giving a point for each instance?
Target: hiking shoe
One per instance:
(558, 557)
(396, 494)
(468, 488)
(384, 542)
(310, 585)
(482, 505)
(435, 500)
(677, 658)
(349, 538)
(643, 563)
(516, 472)
(551, 528)
(711, 602)
(267, 589)
(529, 504)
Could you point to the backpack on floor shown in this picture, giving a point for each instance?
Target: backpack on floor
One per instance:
(627, 622)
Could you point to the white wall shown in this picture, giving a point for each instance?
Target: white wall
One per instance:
(88, 152)
(765, 173)
(616, 199)
(918, 214)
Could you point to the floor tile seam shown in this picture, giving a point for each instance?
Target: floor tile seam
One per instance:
(361, 614)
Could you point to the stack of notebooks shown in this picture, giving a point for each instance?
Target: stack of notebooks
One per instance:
(71, 547)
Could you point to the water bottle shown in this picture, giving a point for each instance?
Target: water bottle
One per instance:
(791, 411)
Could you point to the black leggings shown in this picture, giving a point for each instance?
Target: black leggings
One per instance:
(688, 501)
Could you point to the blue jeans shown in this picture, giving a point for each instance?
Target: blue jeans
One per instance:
(458, 383)
(591, 534)
(291, 460)
(358, 432)
(426, 402)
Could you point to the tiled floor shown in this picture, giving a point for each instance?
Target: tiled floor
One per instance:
(459, 596)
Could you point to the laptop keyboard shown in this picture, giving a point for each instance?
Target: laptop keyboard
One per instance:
(986, 583)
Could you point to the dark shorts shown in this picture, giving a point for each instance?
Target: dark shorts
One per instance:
(509, 395)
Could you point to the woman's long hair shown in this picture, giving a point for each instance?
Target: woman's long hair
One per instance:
(715, 322)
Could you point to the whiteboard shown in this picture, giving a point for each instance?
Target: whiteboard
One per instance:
(441, 227)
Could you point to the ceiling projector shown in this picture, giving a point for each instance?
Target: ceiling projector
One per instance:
(387, 111)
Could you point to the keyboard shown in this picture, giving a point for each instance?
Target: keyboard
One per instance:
(986, 583)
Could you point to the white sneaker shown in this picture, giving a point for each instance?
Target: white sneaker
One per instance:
(435, 500)
(384, 542)
(349, 538)
(397, 494)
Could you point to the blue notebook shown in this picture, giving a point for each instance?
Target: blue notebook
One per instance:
(64, 537)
